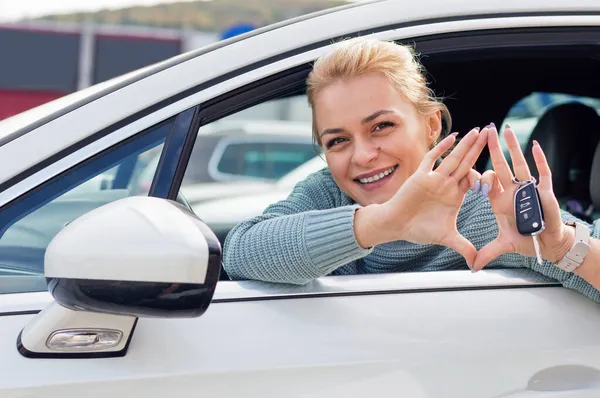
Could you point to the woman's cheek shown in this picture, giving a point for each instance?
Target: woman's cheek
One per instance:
(335, 164)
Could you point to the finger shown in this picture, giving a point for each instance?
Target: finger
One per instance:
(451, 162)
(542, 166)
(472, 155)
(489, 252)
(462, 246)
(499, 162)
(490, 186)
(549, 202)
(434, 154)
(464, 184)
(516, 155)
(474, 178)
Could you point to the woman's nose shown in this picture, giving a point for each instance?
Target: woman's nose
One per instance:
(365, 152)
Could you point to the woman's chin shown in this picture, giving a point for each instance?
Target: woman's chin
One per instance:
(376, 195)
(373, 198)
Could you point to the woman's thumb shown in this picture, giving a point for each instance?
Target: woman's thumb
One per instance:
(462, 246)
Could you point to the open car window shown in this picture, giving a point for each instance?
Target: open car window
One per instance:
(29, 226)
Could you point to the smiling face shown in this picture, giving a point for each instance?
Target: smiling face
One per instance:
(373, 137)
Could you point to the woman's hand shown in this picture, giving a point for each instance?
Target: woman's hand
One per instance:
(425, 208)
(556, 239)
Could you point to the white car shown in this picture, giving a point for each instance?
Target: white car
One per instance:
(107, 294)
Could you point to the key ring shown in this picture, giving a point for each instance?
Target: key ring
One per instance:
(520, 183)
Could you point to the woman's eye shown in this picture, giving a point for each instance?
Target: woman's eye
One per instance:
(335, 141)
(382, 125)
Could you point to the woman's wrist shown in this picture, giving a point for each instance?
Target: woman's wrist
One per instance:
(557, 253)
(369, 226)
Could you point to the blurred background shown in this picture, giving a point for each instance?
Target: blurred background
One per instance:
(52, 48)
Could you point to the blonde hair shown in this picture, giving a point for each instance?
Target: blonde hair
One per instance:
(360, 56)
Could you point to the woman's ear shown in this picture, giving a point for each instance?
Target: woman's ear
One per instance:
(434, 127)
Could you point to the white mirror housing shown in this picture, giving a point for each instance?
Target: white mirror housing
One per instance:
(139, 256)
(135, 257)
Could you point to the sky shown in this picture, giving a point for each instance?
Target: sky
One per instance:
(11, 10)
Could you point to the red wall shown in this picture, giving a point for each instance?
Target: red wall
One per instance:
(13, 101)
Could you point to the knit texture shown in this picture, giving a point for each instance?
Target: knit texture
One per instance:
(310, 234)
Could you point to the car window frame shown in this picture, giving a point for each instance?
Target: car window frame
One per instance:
(175, 138)
(222, 105)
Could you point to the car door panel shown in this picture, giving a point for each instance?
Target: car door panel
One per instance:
(468, 343)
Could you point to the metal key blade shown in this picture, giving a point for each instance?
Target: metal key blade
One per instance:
(538, 253)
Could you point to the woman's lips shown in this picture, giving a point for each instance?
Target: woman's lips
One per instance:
(375, 184)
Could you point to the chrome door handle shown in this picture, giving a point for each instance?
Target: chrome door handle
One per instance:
(564, 380)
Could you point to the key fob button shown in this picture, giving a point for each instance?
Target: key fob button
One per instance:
(528, 211)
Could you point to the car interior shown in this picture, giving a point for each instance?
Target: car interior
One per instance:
(483, 86)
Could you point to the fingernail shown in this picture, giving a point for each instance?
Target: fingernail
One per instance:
(473, 270)
(485, 189)
(477, 186)
(454, 134)
(492, 125)
(536, 143)
(477, 129)
(469, 265)
(508, 126)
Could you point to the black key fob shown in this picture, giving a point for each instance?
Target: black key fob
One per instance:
(528, 209)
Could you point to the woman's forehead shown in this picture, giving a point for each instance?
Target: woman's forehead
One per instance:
(366, 94)
(335, 108)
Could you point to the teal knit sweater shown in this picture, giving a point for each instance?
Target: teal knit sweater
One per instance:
(310, 234)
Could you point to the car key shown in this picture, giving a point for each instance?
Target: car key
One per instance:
(529, 213)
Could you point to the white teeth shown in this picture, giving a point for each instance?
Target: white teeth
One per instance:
(377, 176)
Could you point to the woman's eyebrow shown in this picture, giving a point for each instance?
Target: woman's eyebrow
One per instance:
(375, 115)
(332, 131)
(366, 120)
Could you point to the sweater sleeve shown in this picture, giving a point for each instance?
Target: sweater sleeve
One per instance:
(306, 236)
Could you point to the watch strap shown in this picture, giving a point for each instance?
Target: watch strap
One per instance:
(578, 251)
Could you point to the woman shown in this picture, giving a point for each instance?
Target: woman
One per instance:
(389, 200)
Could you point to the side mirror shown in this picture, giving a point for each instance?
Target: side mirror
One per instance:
(135, 257)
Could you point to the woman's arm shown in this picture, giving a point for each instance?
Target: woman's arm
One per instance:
(589, 269)
(586, 278)
(306, 236)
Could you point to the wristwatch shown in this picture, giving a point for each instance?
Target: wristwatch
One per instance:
(579, 250)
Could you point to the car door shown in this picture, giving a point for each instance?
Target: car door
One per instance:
(498, 333)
